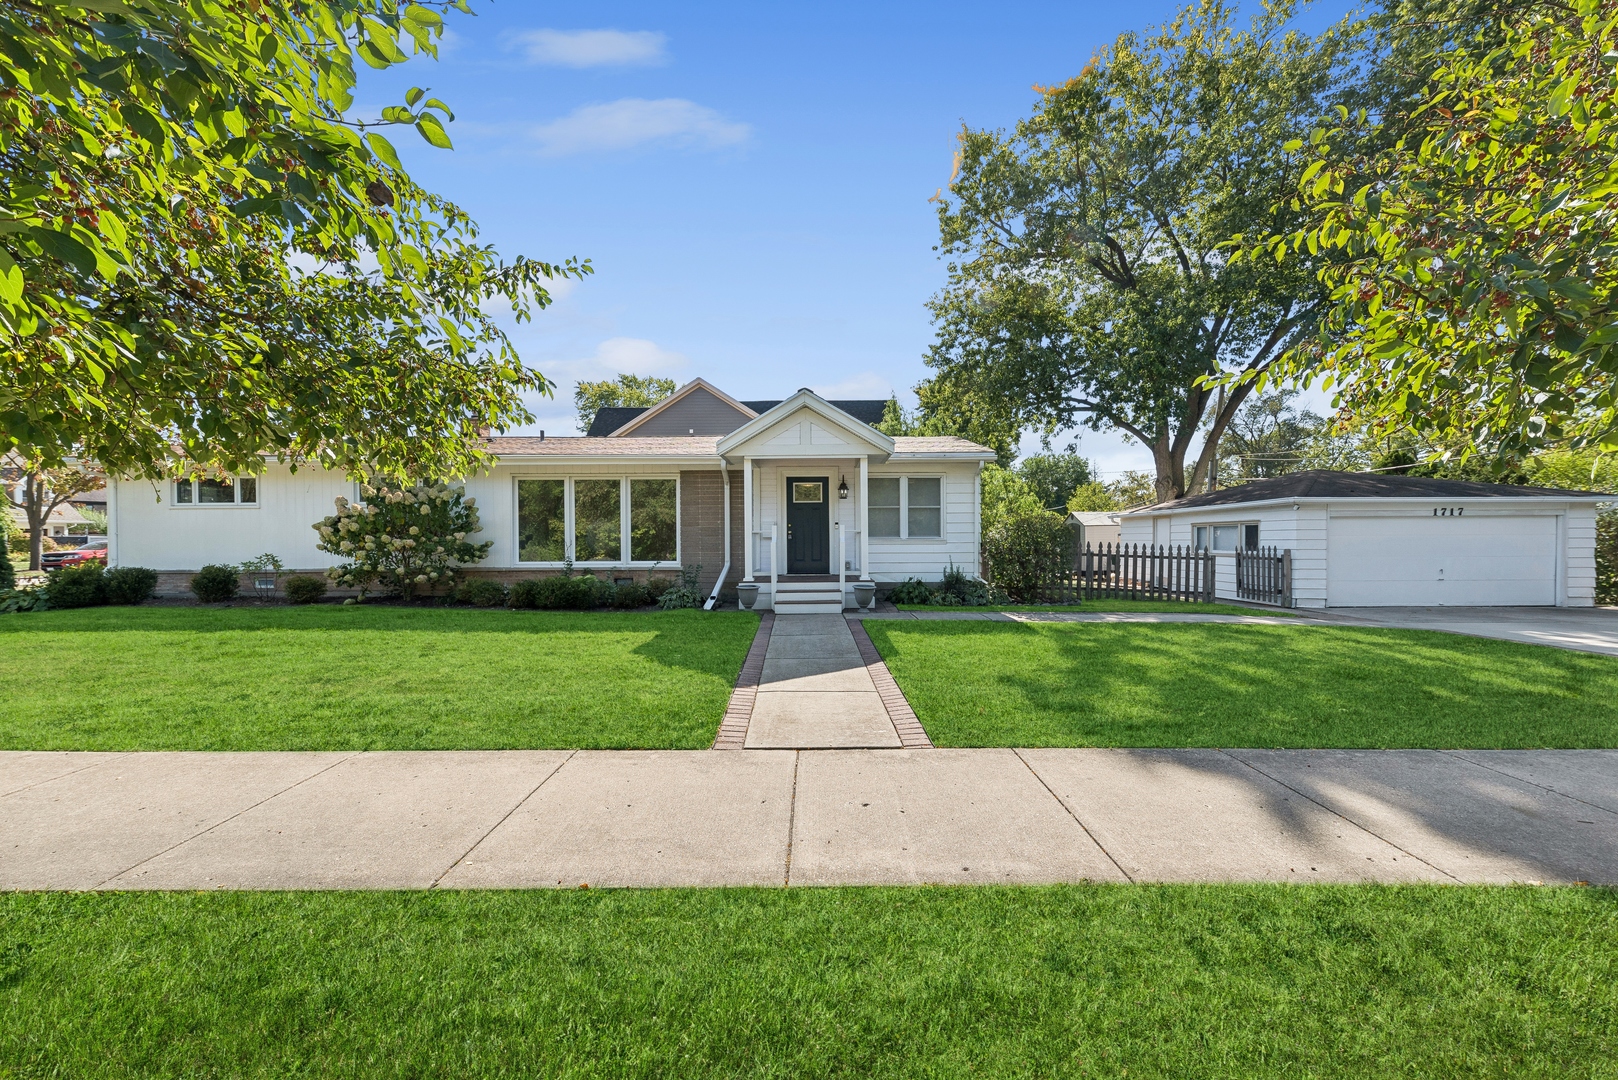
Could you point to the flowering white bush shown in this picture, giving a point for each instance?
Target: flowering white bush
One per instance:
(405, 538)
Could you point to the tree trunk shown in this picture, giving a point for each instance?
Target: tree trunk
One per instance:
(33, 486)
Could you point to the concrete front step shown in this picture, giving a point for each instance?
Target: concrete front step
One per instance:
(805, 598)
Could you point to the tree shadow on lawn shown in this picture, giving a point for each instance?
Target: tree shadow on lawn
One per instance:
(1218, 685)
(249, 616)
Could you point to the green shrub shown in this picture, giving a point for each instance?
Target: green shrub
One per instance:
(304, 589)
(215, 584)
(958, 588)
(630, 595)
(1026, 551)
(130, 585)
(525, 594)
(8, 576)
(407, 539)
(687, 594)
(560, 593)
(481, 592)
(656, 587)
(911, 591)
(77, 586)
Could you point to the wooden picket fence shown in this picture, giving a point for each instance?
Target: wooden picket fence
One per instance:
(1133, 572)
(1265, 575)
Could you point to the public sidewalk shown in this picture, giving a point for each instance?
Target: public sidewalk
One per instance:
(406, 820)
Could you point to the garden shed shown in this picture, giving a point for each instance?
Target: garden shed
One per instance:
(1378, 540)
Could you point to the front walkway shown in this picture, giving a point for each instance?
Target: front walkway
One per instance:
(415, 820)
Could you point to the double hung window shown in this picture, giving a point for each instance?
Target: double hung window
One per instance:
(597, 519)
(208, 491)
(906, 507)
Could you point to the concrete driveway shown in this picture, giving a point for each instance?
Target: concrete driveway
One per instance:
(1593, 630)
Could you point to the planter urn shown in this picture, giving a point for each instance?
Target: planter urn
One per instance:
(747, 592)
(864, 594)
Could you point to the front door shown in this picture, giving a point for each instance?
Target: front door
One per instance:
(808, 525)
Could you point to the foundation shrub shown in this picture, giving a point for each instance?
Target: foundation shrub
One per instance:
(630, 595)
(1027, 550)
(481, 592)
(130, 584)
(911, 591)
(403, 539)
(656, 587)
(77, 586)
(304, 589)
(215, 584)
(687, 594)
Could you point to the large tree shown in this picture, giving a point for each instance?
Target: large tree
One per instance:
(1089, 280)
(592, 395)
(204, 260)
(1473, 264)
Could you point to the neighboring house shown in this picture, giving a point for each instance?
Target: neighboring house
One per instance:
(1094, 527)
(65, 520)
(1373, 540)
(791, 487)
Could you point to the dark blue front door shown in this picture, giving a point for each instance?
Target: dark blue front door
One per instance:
(808, 525)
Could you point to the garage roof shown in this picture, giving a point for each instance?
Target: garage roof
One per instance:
(1327, 484)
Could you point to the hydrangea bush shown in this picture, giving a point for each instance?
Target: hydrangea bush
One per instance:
(405, 539)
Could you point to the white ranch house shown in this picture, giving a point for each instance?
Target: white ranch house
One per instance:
(1373, 540)
(802, 498)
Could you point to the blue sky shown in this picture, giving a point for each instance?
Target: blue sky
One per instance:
(751, 182)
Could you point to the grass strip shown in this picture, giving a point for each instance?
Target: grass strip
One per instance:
(1154, 607)
(365, 678)
(1160, 981)
(1209, 684)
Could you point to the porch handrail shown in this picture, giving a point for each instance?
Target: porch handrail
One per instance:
(840, 562)
(775, 547)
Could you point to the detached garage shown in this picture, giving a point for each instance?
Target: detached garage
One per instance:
(1373, 540)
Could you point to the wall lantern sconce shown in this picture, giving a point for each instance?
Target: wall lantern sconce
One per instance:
(842, 488)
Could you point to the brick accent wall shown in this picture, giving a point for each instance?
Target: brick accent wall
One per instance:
(702, 517)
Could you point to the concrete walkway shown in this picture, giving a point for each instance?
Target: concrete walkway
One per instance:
(782, 817)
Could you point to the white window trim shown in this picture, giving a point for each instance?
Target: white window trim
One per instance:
(904, 509)
(235, 487)
(1239, 526)
(567, 513)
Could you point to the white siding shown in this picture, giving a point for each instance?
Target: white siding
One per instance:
(1580, 578)
(149, 530)
(892, 560)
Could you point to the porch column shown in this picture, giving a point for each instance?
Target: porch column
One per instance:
(747, 517)
(865, 518)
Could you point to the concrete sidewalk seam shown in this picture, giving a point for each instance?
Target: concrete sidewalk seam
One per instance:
(792, 817)
(1459, 755)
(518, 805)
(912, 736)
(1340, 815)
(732, 733)
(225, 821)
(50, 779)
(1059, 802)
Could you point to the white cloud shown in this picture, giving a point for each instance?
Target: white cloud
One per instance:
(592, 48)
(864, 386)
(619, 355)
(631, 122)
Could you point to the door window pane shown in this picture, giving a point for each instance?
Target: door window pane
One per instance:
(926, 506)
(884, 512)
(541, 521)
(597, 527)
(215, 491)
(1224, 537)
(808, 493)
(651, 520)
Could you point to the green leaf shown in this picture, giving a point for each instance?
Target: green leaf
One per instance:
(383, 149)
(413, 95)
(11, 282)
(433, 131)
(1561, 97)
(64, 247)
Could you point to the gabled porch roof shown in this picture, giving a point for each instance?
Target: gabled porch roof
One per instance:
(806, 425)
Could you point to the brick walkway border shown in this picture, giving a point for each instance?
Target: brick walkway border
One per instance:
(739, 713)
(912, 736)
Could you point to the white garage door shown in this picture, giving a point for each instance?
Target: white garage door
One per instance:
(1377, 561)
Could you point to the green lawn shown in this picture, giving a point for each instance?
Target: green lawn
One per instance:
(1151, 606)
(365, 678)
(1157, 981)
(1210, 684)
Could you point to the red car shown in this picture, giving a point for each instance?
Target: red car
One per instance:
(94, 551)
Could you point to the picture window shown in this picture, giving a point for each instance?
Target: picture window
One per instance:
(906, 507)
